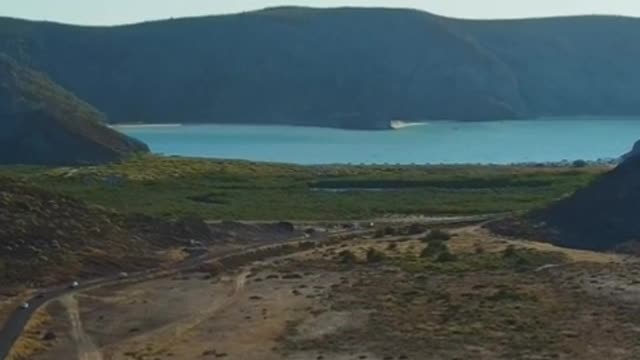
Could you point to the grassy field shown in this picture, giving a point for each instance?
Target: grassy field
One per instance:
(217, 189)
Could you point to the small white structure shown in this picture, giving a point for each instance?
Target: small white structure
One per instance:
(74, 284)
(123, 275)
(24, 306)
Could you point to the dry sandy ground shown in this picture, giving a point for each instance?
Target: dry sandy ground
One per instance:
(313, 306)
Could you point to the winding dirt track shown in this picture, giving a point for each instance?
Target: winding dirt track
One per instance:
(87, 349)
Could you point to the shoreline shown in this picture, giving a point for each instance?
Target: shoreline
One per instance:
(134, 126)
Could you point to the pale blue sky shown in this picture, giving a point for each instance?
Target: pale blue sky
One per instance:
(108, 12)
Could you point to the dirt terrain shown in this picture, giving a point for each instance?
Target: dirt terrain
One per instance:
(390, 297)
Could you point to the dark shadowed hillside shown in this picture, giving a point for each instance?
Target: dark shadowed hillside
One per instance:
(356, 68)
(41, 123)
(602, 216)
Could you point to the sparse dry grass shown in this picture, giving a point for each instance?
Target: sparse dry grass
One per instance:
(491, 302)
(31, 343)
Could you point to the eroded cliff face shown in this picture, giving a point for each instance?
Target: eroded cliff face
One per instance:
(41, 123)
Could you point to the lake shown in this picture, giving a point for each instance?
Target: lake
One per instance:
(445, 142)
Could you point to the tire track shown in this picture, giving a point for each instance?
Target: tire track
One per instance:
(87, 350)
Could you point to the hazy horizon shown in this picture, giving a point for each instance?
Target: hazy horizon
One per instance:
(117, 12)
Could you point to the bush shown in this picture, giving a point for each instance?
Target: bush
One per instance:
(509, 252)
(437, 235)
(389, 231)
(446, 256)
(416, 229)
(213, 268)
(347, 257)
(579, 164)
(374, 256)
(478, 249)
(434, 249)
(392, 246)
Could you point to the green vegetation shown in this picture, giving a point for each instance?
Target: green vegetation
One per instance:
(436, 257)
(375, 256)
(437, 235)
(347, 257)
(174, 187)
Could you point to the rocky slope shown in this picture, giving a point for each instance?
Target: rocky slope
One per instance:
(348, 67)
(41, 123)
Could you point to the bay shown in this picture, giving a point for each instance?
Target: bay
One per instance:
(441, 142)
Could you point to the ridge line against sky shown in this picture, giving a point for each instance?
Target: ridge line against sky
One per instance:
(116, 12)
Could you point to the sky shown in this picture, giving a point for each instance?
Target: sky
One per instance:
(112, 12)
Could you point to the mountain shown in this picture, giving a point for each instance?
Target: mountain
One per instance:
(41, 123)
(602, 216)
(345, 67)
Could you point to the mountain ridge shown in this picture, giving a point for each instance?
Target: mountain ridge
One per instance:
(42, 123)
(343, 67)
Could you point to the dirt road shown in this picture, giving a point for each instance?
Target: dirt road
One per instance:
(87, 350)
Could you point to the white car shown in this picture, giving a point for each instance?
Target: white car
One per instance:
(74, 285)
(123, 275)
(24, 306)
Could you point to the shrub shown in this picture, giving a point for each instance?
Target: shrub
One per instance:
(416, 229)
(478, 249)
(374, 256)
(307, 245)
(389, 231)
(579, 164)
(379, 234)
(445, 256)
(392, 246)
(509, 252)
(286, 226)
(437, 235)
(347, 257)
(213, 268)
(434, 248)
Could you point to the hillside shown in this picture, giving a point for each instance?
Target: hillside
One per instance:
(41, 123)
(601, 216)
(42, 233)
(347, 67)
(47, 237)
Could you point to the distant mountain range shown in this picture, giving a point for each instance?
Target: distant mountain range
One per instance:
(41, 123)
(347, 67)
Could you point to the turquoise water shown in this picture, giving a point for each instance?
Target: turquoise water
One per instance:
(498, 142)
